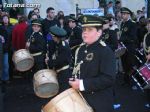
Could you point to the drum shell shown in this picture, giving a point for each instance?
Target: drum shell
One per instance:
(45, 83)
(120, 50)
(142, 76)
(68, 101)
(23, 60)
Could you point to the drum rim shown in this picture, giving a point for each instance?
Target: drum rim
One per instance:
(142, 67)
(20, 51)
(46, 96)
(44, 70)
(51, 103)
(28, 68)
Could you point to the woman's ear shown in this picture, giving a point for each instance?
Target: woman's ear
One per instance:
(99, 33)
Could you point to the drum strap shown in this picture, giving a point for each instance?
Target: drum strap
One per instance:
(63, 68)
(76, 46)
(37, 54)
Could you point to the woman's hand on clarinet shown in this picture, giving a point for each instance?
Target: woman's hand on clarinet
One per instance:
(75, 84)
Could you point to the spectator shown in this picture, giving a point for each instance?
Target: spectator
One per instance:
(110, 9)
(18, 34)
(37, 12)
(144, 12)
(13, 12)
(59, 14)
(4, 38)
(33, 17)
(30, 13)
(1, 56)
(49, 20)
(62, 23)
(117, 7)
(139, 14)
(7, 28)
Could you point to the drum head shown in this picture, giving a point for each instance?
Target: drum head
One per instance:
(46, 90)
(24, 65)
(68, 101)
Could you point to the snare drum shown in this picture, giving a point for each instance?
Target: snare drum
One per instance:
(142, 76)
(45, 83)
(68, 101)
(23, 60)
(121, 50)
(140, 57)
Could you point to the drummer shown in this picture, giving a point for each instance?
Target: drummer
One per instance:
(129, 39)
(61, 58)
(146, 46)
(94, 66)
(37, 46)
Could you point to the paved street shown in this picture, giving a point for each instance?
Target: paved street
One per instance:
(19, 97)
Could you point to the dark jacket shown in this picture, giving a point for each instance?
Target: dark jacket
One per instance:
(141, 31)
(38, 45)
(128, 35)
(98, 74)
(6, 32)
(46, 24)
(61, 58)
(1, 56)
(110, 38)
(75, 37)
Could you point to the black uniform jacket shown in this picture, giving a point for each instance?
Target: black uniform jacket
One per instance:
(98, 74)
(75, 37)
(128, 35)
(60, 59)
(110, 38)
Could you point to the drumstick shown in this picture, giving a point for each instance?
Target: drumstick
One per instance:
(47, 63)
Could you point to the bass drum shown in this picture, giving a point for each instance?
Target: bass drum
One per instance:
(23, 60)
(68, 101)
(45, 83)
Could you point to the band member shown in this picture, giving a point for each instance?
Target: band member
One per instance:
(95, 64)
(37, 46)
(75, 38)
(128, 37)
(61, 58)
(109, 36)
(146, 46)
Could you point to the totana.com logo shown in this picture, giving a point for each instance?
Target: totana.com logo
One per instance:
(28, 5)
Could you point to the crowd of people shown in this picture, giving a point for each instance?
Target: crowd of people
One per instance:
(81, 47)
